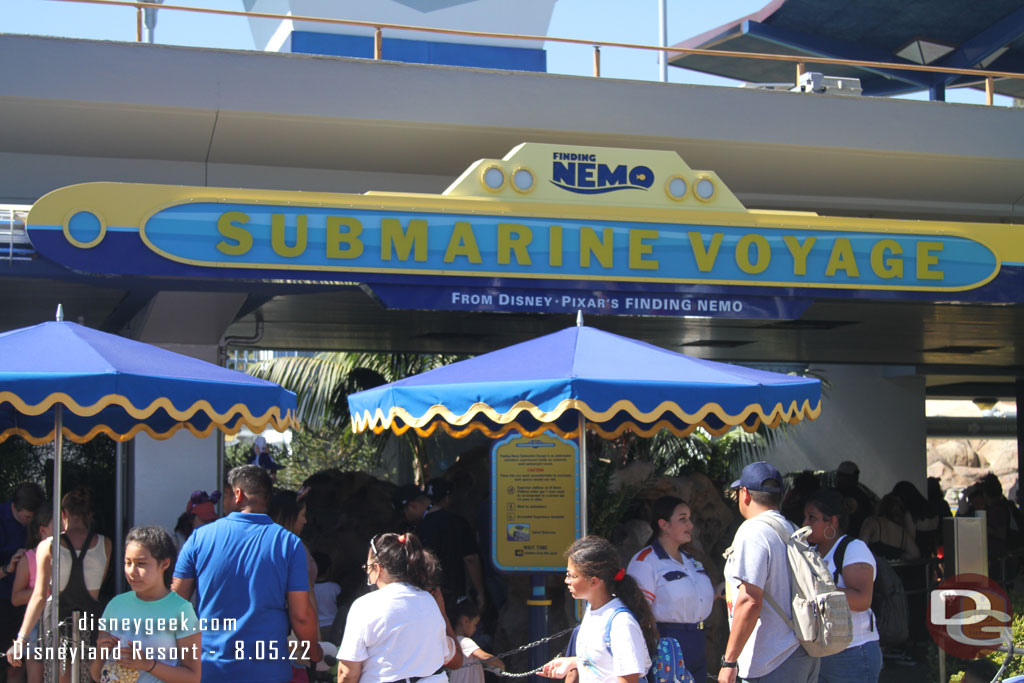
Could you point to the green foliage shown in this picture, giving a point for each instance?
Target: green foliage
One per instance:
(338, 447)
(22, 462)
(605, 508)
(322, 384)
(312, 451)
(717, 457)
(91, 464)
(673, 456)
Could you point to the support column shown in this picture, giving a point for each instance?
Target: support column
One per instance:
(165, 473)
(1020, 440)
(539, 604)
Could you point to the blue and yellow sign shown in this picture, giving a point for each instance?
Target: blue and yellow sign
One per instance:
(535, 503)
(543, 214)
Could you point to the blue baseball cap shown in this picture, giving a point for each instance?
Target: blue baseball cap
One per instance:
(755, 475)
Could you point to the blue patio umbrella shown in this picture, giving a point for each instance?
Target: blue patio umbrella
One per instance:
(106, 384)
(581, 378)
(614, 384)
(59, 379)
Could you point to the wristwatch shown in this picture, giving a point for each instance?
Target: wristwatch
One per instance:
(729, 665)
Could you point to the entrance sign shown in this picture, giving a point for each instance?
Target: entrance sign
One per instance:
(522, 300)
(544, 217)
(535, 502)
(352, 240)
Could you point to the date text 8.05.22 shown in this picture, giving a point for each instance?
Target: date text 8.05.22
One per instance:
(272, 650)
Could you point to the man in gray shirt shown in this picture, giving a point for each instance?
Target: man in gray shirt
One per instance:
(761, 646)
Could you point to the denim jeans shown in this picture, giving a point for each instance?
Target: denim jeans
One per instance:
(799, 667)
(860, 664)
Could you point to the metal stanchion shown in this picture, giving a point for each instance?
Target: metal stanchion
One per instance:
(538, 628)
(76, 645)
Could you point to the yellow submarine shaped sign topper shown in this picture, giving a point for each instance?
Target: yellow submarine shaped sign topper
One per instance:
(543, 212)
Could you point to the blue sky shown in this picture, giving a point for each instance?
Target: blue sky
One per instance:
(633, 21)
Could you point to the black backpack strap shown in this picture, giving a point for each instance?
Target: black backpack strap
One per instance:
(79, 555)
(839, 556)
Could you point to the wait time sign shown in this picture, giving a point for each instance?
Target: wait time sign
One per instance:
(536, 502)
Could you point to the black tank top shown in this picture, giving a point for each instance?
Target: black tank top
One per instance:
(75, 596)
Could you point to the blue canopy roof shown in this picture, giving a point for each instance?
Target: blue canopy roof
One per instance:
(981, 35)
(117, 386)
(617, 383)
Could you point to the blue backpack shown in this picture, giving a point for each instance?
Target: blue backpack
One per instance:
(668, 665)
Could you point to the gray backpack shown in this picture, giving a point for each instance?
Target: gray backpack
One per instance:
(821, 613)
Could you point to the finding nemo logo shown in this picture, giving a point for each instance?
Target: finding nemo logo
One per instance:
(582, 173)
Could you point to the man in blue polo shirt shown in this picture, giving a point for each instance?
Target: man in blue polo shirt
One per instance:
(249, 569)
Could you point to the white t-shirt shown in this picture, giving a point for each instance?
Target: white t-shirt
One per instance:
(629, 651)
(326, 593)
(863, 622)
(396, 632)
(472, 670)
(758, 557)
(679, 592)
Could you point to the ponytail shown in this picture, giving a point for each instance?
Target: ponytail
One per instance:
(596, 557)
(43, 516)
(406, 560)
(77, 503)
(663, 508)
(628, 590)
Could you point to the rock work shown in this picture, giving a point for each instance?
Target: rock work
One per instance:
(958, 463)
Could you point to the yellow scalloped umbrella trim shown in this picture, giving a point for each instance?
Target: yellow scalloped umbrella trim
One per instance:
(425, 424)
(256, 426)
(238, 412)
(137, 413)
(629, 426)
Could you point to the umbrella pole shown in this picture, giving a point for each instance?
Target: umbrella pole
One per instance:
(119, 458)
(583, 474)
(58, 448)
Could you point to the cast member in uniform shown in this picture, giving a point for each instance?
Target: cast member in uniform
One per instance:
(861, 661)
(399, 631)
(595, 574)
(678, 588)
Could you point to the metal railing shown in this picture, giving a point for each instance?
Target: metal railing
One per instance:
(799, 61)
(14, 242)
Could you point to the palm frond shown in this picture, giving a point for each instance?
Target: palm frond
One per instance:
(315, 381)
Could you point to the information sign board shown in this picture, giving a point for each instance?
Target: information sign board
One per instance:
(536, 502)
